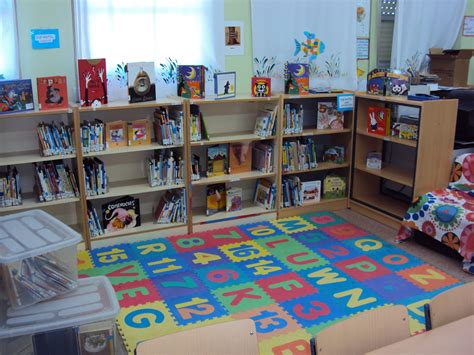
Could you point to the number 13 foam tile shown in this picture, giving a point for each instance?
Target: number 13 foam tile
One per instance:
(292, 225)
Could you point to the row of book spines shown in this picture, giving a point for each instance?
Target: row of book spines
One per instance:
(265, 122)
(293, 122)
(165, 171)
(262, 157)
(95, 177)
(93, 136)
(95, 227)
(265, 194)
(168, 126)
(54, 181)
(55, 140)
(291, 192)
(299, 155)
(10, 188)
(171, 208)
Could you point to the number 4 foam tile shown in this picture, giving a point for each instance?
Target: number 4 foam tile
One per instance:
(291, 343)
(292, 225)
(84, 260)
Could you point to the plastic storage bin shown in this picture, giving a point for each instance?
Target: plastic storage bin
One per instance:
(80, 322)
(37, 257)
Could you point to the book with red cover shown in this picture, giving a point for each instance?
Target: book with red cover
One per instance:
(378, 120)
(261, 86)
(92, 81)
(52, 92)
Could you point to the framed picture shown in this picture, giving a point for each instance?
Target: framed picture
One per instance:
(224, 85)
(234, 38)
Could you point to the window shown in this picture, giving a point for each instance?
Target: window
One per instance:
(166, 32)
(9, 66)
(385, 35)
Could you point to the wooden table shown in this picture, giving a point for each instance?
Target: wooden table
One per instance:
(454, 338)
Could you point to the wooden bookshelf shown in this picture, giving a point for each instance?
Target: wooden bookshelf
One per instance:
(31, 156)
(35, 113)
(131, 149)
(30, 201)
(393, 173)
(232, 137)
(391, 139)
(251, 175)
(321, 166)
(317, 132)
(322, 205)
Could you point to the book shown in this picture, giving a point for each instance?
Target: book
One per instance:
(10, 187)
(264, 195)
(408, 131)
(96, 338)
(334, 186)
(262, 157)
(240, 157)
(54, 181)
(296, 78)
(52, 92)
(92, 82)
(95, 176)
(329, 117)
(93, 221)
(168, 126)
(291, 195)
(55, 139)
(334, 154)
(16, 95)
(225, 85)
(261, 87)
(139, 132)
(141, 82)
(376, 82)
(216, 198)
(374, 160)
(122, 213)
(195, 168)
(378, 120)
(165, 168)
(217, 162)
(234, 199)
(191, 81)
(265, 122)
(197, 125)
(171, 208)
(116, 134)
(310, 192)
(92, 136)
(299, 154)
(293, 118)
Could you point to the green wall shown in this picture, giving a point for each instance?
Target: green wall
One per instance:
(467, 42)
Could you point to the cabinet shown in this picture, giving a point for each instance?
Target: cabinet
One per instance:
(410, 167)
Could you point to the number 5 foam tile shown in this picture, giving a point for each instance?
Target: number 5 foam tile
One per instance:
(144, 322)
(84, 260)
(292, 225)
(296, 343)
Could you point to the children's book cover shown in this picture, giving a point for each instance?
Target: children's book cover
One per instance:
(397, 83)
(234, 199)
(141, 82)
(225, 85)
(16, 95)
(334, 154)
(216, 198)
(191, 81)
(52, 92)
(122, 213)
(116, 134)
(139, 132)
(376, 82)
(334, 187)
(296, 78)
(261, 86)
(329, 117)
(240, 157)
(92, 82)
(311, 192)
(378, 120)
(217, 163)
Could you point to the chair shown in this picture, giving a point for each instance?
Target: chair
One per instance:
(234, 338)
(450, 305)
(364, 332)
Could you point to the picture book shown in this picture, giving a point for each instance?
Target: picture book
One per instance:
(141, 82)
(216, 198)
(310, 191)
(329, 117)
(224, 85)
(116, 134)
(52, 92)
(217, 163)
(397, 83)
(171, 208)
(122, 213)
(378, 120)
(374, 160)
(376, 82)
(16, 95)
(139, 132)
(240, 157)
(191, 81)
(334, 154)
(408, 131)
(92, 82)
(261, 86)
(296, 78)
(234, 199)
(334, 186)
(96, 338)
(265, 194)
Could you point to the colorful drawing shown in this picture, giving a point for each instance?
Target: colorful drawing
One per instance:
(311, 47)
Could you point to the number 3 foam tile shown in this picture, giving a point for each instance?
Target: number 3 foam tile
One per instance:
(144, 322)
(84, 260)
(296, 343)
(292, 225)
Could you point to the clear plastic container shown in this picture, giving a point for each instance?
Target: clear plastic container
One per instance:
(83, 319)
(37, 257)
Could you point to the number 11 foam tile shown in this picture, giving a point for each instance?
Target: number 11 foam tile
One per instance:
(84, 260)
(292, 225)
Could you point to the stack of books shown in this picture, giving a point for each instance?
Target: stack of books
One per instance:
(171, 208)
(196, 125)
(299, 154)
(10, 189)
(293, 120)
(93, 221)
(55, 139)
(165, 169)
(265, 122)
(95, 177)
(262, 157)
(92, 136)
(54, 181)
(291, 192)
(168, 126)
(265, 194)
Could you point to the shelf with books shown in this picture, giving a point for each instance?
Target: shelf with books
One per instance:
(31, 156)
(390, 172)
(30, 201)
(250, 175)
(35, 113)
(323, 205)
(317, 132)
(232, 137)
(125, 105)
(239, 99)
(132, 149)
(321, 166)
(392, 139)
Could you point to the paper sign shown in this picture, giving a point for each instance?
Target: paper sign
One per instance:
(468, 27)
(362, 48)
(345, 102)
(45, 39)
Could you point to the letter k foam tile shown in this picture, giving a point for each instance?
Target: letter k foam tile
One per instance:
(242, 297)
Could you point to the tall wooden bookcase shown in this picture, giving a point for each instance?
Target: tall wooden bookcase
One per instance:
(410, 167)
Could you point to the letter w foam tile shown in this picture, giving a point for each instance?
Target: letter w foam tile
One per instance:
(292, 225)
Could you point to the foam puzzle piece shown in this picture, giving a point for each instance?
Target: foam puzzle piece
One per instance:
(295, 343)
(118, 273)
(292, 225)
(322, 219)
(242, 297)
(135, 293)
(84, 260)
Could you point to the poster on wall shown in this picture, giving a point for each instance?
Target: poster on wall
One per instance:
(362, 48)
(468, 26)
(363, 18)
(234, 38)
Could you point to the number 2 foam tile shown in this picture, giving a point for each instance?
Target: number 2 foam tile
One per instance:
(144, 322)
(84, 260)
(292, 225)
(295, 343)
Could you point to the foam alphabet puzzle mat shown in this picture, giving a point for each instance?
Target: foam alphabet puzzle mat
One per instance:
(293, 277)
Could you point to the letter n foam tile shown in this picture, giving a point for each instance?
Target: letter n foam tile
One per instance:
(292, 225)
(84, 260)
(294, 343)
(427, 277)
(136, 292)
(118, 273)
